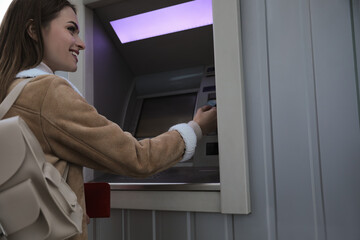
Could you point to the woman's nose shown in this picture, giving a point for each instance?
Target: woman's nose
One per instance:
(80, 43)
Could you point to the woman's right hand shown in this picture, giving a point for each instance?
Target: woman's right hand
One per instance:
(206, 118)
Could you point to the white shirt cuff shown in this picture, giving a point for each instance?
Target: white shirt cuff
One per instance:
(190, 139)
(197, 129)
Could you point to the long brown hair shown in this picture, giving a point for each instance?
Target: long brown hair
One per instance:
(18, 51)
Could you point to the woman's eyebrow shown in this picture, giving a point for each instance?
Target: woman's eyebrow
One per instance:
(75, 24)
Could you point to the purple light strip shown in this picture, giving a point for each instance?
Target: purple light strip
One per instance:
(172, 19)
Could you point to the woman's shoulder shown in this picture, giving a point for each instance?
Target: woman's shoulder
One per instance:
(50, 84)
(35, 91)
(50, 88)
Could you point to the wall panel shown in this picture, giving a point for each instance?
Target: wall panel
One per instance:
(301, 71)
(261, 223)
(139, 225)
(337, 104)
(109, 228)
(293, 118)
(174, 225)
(213, 226)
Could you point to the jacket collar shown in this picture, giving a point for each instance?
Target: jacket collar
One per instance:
(42, 69)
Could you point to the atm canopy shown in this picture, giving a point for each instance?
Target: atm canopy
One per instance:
(178, 50)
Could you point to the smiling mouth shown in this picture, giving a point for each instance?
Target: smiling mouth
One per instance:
(75, 54)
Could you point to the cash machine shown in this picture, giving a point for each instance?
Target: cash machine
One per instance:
(158, 107)
(139, 84)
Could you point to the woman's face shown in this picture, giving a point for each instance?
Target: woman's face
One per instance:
(62, 42)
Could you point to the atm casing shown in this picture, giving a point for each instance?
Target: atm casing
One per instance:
(106, 62)
(156, 110)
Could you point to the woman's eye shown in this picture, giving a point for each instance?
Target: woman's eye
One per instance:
(72, 29)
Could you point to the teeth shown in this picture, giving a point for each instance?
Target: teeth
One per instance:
(73, 53)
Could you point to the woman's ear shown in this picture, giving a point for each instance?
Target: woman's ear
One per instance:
(30, 28)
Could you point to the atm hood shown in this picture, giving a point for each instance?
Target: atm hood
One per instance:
(174, 51)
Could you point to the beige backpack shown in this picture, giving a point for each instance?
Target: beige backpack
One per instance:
(35, 201)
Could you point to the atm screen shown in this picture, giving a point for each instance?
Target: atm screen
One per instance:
(158, 114)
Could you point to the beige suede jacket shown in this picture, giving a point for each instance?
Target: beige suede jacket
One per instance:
(72, 132)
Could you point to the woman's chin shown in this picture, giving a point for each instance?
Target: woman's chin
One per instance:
(71, 69)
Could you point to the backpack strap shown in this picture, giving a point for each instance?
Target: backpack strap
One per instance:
(11, 97)
(66, 172)
(9, 101)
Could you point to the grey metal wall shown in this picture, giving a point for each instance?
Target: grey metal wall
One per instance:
(302, 95)
(108, 69)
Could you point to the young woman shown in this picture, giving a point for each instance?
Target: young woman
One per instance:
(39, 37)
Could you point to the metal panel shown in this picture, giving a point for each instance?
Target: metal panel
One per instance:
(298, 193)
(109, 228)
(213, 226)
(261, 223)
(167, 200)
(174, 225)
(139, 225)
(337, 106)
(91, 229)
(109, 67)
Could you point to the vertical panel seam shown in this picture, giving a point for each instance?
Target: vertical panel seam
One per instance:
(94, 229)
(242, 96)
(153, 220)
(194, 225)
(323, 217)
(189, 226)
(233, 226)
(272, 233)
(128, 234)
(355, 55)
(123, 224)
